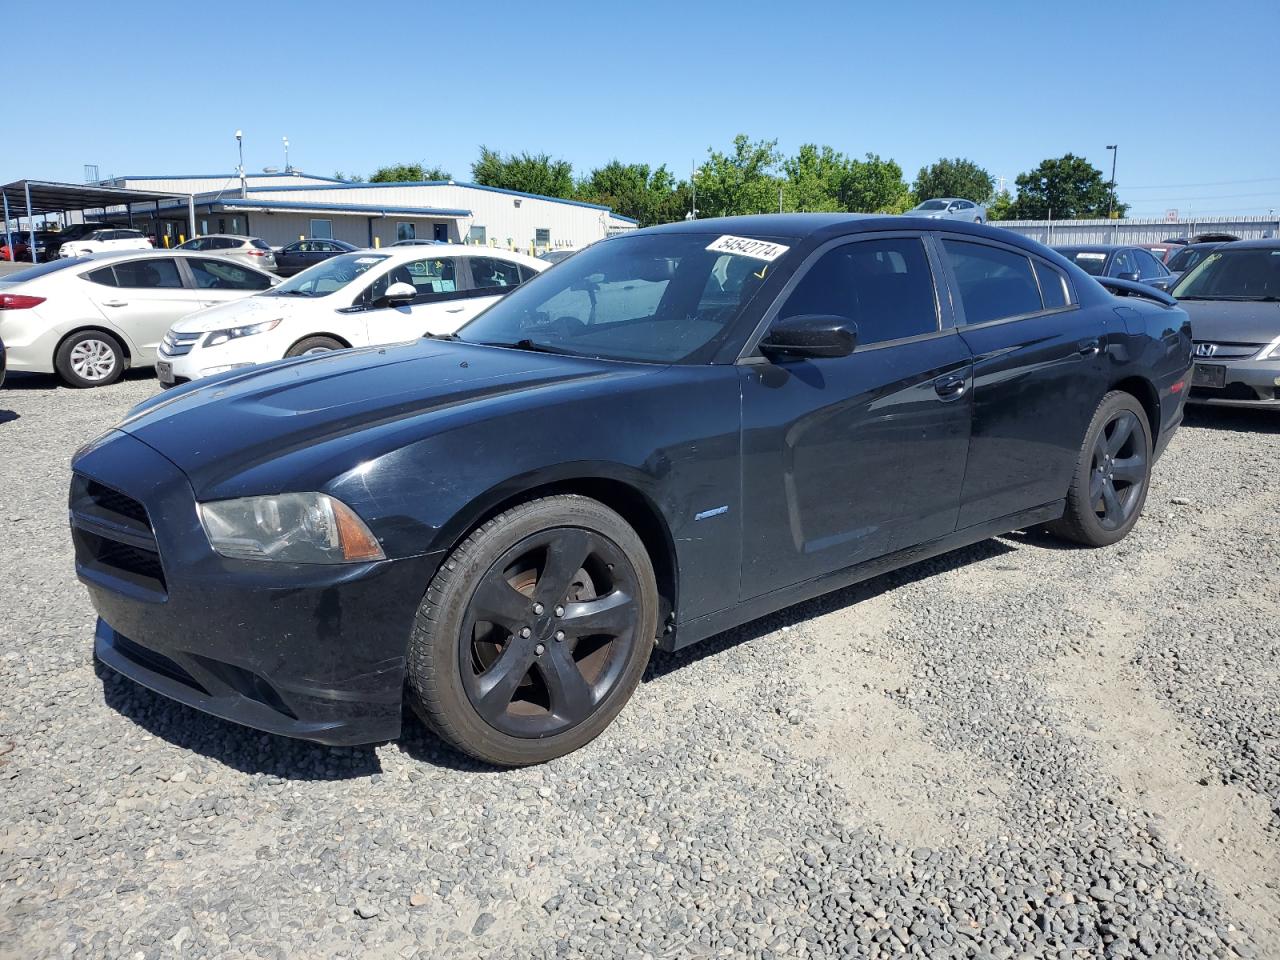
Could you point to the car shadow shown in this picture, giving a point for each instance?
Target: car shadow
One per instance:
(8, 416)
(21, 380)
(1235, 419)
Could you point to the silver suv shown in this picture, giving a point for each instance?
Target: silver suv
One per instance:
(248, 250)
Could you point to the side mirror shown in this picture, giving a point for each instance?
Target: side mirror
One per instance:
(1127, 276)
(398, 294)
(811, 335)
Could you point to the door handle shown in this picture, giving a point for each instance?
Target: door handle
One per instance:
(115, 303)
(1090, 348)
(950, 387)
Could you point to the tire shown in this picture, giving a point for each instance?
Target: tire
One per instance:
(977, 219)
(1115, 456)
(90, 358)
(313, 345)
(515, 568)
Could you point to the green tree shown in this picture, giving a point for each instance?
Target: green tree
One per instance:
(408, 173)
(956, 177)
(634, 190)
(876, 186)
(1000, 207)
(740, 181)
(816, 179)
(1070, 186)
(526, 172)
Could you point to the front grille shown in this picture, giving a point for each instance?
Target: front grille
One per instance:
(178, 344)
(1226, 351)
(113, 536)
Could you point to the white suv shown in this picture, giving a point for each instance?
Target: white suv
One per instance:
(105, 240)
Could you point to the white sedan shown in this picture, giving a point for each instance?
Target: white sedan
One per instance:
(351, 300)
(89, 318)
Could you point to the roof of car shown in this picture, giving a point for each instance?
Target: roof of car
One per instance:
(222, 236)
(798, 226)
(1097, 247)
(1266, 243)
(153, 252)
(417, 252)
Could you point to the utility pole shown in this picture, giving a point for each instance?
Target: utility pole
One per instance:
(1111, 205)
(287, 168)
(244, 190)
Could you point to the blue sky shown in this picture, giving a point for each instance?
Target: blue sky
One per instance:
(1187, 89)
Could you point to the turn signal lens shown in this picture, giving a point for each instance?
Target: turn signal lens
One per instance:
(356, 540)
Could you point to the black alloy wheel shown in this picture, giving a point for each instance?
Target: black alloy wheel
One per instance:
(1113, 473)
(549, 632)
(534, 632)
(1118, 477)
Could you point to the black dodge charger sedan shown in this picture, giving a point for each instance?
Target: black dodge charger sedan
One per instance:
(675, 431)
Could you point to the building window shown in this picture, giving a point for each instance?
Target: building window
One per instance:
(406, 231)
(478, 235)
(322, 229)
(542, 237)
(204, 227)
(236, 227)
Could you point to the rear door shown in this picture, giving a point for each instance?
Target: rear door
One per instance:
(488, 280)
(846, 459)
(1038, 375)
(142, 298)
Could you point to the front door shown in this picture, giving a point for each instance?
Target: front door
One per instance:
(847, 459)
(440, 306)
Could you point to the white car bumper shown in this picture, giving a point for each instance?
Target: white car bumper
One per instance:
(183, 356)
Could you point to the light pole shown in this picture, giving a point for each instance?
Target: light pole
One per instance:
(244, 193)
(287, 168)
(1111, 204)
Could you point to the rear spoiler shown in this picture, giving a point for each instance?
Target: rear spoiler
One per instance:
(1131, 288)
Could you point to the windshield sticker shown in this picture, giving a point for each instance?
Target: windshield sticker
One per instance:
(747, 247)
(367, 259)
(1091, 256)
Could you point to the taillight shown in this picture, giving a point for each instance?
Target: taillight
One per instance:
(257, 253)
(18, 301)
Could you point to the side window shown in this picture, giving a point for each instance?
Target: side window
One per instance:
(221, 275)
(490, 272)
(104, 276)
(1148, 268)
(527, 273)
(993, 283)
(1122, 263)
(147, 274)
(884, 286)
(1053, 286)
(430, 277)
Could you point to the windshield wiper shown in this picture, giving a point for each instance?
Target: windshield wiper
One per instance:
(527, 344)
(439, 336)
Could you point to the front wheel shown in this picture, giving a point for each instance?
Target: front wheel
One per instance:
(313, 345)
(535, 632)
(1112, 475)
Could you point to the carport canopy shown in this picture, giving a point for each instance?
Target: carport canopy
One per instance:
(31, 198)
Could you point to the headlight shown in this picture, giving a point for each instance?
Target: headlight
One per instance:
(216, 337)
(1271, 351)
(289, 527)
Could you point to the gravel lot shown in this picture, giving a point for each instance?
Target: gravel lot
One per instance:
(1016, 750)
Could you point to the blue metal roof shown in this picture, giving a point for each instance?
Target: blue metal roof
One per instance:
(222, 176)
(211, 200)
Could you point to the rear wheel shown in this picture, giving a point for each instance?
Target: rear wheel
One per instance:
(1112, 475)
(89, 358)
(314, 345)
(534, 632)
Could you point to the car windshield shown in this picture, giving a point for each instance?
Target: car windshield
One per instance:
(1233, 275)
(1090, 261)
(657, 298)
(328, 276)
(932, 205)
(1186, 258)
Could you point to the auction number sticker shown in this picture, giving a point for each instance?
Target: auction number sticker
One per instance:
(748, 247)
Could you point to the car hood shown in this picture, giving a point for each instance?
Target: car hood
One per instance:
(251, 309)
(226, 427)
(1233, 321)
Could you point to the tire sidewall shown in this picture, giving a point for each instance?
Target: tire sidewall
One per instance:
(440, 619)
(310, 343)
(62, 359)
(1110, 406)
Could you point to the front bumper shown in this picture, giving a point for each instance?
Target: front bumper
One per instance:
(1248, 383)
(198, 361)
(314, 651)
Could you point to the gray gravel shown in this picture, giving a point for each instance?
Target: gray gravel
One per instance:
(1018, 750)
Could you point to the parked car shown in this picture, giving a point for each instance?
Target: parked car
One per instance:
(89, 318)
(3, 363)
(1120, 261)
(349, 300)
(1161, 251)
(1233, 298)
(297, 256)
(251, 251)
(416, 243)
(1186, 257)
(17, 249)
(950, 208)
(1204, 238)
(76, 231)
(678, 430)
(106, 240)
